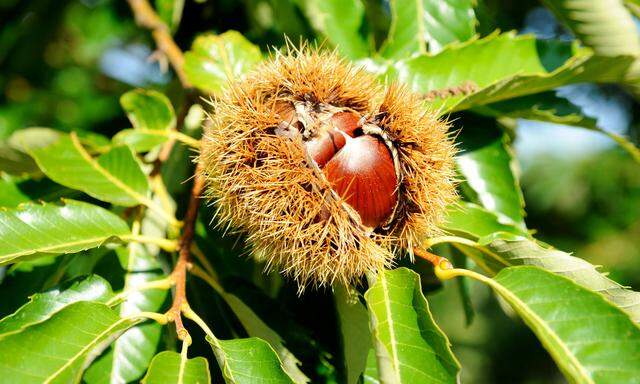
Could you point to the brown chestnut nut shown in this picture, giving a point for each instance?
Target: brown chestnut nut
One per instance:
(363, 174)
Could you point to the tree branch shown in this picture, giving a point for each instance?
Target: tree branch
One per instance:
(147, 17)
(179, 273)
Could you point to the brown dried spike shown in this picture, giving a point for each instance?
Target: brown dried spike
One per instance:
(261, 182)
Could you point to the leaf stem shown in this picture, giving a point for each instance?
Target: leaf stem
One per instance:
(437, 261)
(158, 317)
(190, 314)
(449, 239)
(200, 256)
(166, 244)
(185, 139)
(164, 284)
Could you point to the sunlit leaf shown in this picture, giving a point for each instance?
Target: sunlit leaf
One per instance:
(498, 246)
(53, 229)
(410, 347)
(488, 166)
(591, 340)
(168, 368)
(42, 306)
(114, 177)
(152, 116)
(249, 360)
(420, 24)
(214, 60)
(501, 67)
(61, 346)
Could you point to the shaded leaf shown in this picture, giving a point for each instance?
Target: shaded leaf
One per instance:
(61, 346)
(10, 195)
(501, 67)
(257, 328)
(53, 229)
(114, 177)
(416, 24)
(167, 367)
(249, 360)
(130, 355)
(410, 347)
(42, 306)
(354, 328)
(215, 60)
(582, 331)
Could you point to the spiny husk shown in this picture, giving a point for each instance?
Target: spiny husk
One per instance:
(262, 183)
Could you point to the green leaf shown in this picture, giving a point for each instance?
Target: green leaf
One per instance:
(371, 375)
(249, 360)
(53, 229)
(42, 306)
(526, 66)
(509, 248)
(410, 347)
(56, 350)
(10, 195)
(167, 367)
(141, 140)
(591, 340)
(114, 177)
(354, 328)
(147, 109)
(488, 166)
(548, 107)
(170, 11)
(340, 21)
(257, 328)
(416, 24)
(476, 222)
(130, 355)
(214, 60)
(603, 25)
(152, 116)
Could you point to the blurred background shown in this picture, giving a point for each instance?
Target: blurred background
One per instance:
(64, 64)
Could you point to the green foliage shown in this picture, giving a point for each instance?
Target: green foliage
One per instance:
(61, 346)
(89, 211)
(410, 348)
(248, 361)
(586, 351)
(34, 230)
(168, 367)
(214, 60)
